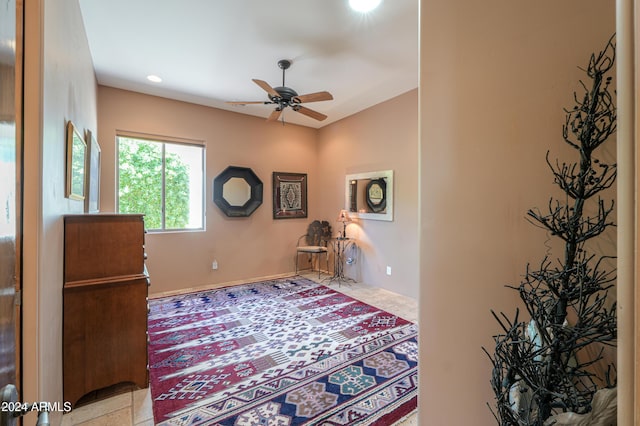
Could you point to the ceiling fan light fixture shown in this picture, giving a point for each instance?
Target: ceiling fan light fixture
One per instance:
(285, 97)
(364, 6)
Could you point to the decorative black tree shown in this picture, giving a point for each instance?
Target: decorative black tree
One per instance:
(544, 366)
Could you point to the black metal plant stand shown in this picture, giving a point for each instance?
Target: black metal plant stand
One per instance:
(340, 245)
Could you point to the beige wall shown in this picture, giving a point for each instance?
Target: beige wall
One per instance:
(382, 137)
(494, 78)
(59, 86)
(245, 248)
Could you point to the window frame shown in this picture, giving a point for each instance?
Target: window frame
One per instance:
(163, 141)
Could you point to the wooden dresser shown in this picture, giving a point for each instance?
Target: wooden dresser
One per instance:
(104, 303)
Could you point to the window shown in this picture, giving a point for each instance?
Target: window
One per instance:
(164, 180)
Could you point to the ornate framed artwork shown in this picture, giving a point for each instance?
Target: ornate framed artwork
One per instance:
(289, 195)
(76, 164)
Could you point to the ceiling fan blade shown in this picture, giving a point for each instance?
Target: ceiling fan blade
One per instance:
(247, 103)
(313, 97)
(265, 86)
(275, 115)
(309, 112)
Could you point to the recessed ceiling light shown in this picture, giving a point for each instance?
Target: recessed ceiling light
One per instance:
(364, 5)
(154, 78)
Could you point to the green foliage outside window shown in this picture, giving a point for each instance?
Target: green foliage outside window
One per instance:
(140, 182)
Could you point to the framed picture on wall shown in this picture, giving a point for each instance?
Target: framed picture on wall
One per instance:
(289, 195)
(76, 164)
(92, 200)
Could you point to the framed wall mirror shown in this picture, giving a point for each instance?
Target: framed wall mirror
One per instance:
(237, 191)
(370, 195)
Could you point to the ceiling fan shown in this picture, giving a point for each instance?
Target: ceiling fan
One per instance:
(284, 97)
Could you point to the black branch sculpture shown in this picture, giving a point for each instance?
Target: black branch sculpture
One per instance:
(544, 366)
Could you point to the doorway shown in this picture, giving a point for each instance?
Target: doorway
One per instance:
(10, 197)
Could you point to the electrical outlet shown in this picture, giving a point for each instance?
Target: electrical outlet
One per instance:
(214, 265)
(388, 270)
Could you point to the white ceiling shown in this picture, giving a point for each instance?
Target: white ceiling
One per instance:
(207, 51)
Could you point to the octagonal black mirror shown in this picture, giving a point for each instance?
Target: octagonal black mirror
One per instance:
(237, 191)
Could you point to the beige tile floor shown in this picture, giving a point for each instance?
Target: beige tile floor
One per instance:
(133, 408)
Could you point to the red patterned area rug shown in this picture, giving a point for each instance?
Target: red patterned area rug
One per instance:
(281, 352)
